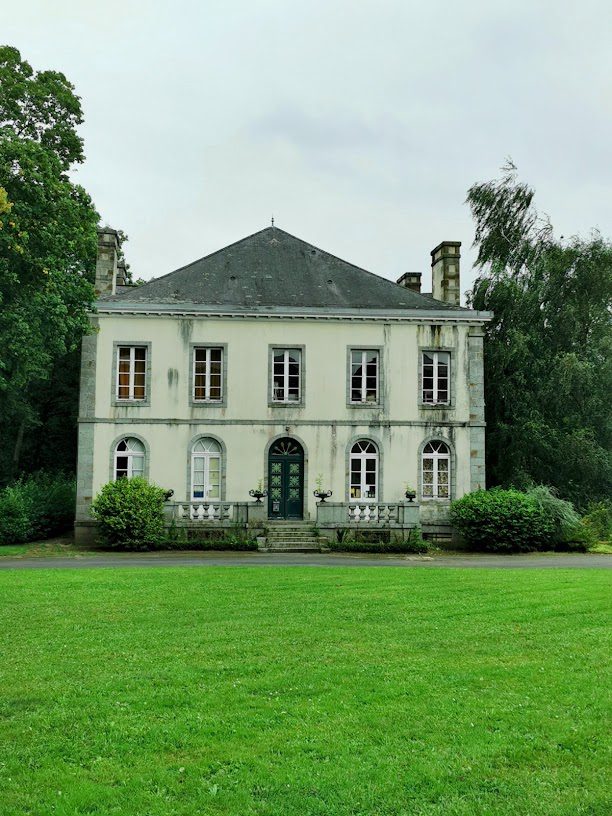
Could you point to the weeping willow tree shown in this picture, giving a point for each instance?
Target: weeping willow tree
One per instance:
(548, 351)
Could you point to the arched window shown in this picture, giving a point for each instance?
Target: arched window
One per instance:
(364, 471)
(435, 470)
(206, 470)
(129, 458)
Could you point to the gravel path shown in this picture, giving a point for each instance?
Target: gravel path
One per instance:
(250, 559)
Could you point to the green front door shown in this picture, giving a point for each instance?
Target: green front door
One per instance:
(286, 480)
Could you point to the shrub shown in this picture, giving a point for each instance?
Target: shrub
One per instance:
(130, 514)
(349, 541)
(598, 520)
(15, 516)
(179, 538)
(502, 521)
(38, 506)
(562, 517)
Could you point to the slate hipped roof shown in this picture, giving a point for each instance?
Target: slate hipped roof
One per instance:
(272, 269)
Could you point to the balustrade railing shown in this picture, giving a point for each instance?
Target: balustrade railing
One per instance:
(198, 511)
(367, 514)
(373, 513)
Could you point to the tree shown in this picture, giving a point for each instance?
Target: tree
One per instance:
(548, 361)
(47, 243)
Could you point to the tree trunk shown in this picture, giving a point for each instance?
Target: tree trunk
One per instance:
(18, 444)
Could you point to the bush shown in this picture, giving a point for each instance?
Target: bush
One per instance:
(130, 514)
(565, 521)
(598, 520)
(15, 516)
(179, 538)
(36, 507)
(350, 541)
(503, 521)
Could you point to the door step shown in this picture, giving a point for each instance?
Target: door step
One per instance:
(291, 548)
(292, 536)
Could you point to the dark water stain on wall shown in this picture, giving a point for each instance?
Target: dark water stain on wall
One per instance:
(186, 329)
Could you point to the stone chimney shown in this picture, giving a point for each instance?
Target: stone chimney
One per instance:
(106, 264)
(410, 280)
(445, 272)
(121, 274)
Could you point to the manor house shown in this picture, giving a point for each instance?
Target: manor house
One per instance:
(273, 366)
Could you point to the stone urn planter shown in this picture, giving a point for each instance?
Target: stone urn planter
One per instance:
(322, 495)
(258, 495)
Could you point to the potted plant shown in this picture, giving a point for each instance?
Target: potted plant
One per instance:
(410, 493)
(259, 493)
(319, 493)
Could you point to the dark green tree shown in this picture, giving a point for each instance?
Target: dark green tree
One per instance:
(548, 351)
(47, 254)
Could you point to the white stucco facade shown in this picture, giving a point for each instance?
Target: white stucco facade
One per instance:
(245, 424)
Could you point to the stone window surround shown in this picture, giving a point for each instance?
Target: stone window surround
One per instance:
(379, 473)
(272, 347)
(441, 406)
(223, 469)
(115, 401)
(361, 405)
(222, 403)
(113, 450)
(453, 471)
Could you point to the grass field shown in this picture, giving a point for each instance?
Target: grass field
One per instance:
(276, 691)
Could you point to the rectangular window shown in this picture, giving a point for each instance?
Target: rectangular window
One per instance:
(208, 374)
(436, 377)
(131, 372)
(364, 376)
(286, 375)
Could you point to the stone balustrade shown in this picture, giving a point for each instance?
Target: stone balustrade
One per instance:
(205, 512)
(368, 514)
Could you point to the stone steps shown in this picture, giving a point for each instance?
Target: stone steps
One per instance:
(292, 536)
(289, 547)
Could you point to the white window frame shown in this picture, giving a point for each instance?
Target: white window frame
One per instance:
(206, 456)
(436, 456)
(130, 455)
(362, 457)
(208, 350)
(286, 362)
(131, 373)
(363, 388)
(438, 357)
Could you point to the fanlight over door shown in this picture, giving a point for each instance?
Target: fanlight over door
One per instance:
(286, 480)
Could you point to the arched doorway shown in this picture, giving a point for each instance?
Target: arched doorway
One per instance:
(286, 479)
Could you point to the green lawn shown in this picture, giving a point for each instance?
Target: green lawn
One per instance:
(304, 691)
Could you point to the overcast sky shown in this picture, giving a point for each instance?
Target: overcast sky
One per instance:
(358, 125)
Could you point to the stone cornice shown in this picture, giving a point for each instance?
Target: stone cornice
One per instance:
(382, 423)
(468, 316)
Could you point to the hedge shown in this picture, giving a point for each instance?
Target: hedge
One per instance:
(37, 507)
